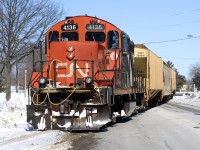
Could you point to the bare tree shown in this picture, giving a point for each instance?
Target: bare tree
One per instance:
(22, 24)
(195, 74)
(194, 69)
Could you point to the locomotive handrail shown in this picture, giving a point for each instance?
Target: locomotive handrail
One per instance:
(106, 79)
(40, 62)
(33, 78)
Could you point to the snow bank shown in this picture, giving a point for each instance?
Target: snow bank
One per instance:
(13, 112)
(13, 133)
(188, 98)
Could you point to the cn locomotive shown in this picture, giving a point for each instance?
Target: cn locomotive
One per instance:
(88, 78)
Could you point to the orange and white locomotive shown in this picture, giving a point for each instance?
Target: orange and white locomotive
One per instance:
(88, 78)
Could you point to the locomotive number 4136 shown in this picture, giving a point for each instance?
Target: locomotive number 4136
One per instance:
(68, 27)
(95, 27)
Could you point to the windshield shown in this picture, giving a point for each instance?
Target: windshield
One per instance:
(69, 36)
(95, 36)
(53, 36)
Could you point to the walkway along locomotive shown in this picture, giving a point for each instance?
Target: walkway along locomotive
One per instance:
(88, 78)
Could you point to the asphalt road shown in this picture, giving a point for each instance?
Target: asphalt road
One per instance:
(167, 127)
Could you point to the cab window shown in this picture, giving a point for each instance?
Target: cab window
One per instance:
(95, 36)
(113, 40)
(69, 36)
(53, 36)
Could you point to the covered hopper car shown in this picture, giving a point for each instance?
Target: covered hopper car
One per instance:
(160, 79)
(89, 77)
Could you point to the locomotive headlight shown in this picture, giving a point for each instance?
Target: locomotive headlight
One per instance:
(88, 81)
(70, 55)
(42, 81)
(70, 48)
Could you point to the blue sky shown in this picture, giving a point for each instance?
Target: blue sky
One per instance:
(151, 21)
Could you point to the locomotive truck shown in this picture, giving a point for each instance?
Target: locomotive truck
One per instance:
(89, 77)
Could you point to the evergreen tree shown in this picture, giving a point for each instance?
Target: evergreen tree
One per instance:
(170, 64)
(180, 80)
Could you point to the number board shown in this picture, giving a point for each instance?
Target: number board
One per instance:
(68, 27)
(95, 27)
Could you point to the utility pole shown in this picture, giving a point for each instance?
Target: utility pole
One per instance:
(25, 84)
(17, 78)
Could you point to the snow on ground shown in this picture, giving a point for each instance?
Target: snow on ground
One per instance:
(13, 127)
(13, 112)
(189, 98)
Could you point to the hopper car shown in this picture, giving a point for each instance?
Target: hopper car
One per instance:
(160, 78)
(91, 76)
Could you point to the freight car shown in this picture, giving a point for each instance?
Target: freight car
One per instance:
(160, 79)
(88, 77)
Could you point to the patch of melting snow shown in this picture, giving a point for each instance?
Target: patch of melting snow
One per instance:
(41, 124)
(67, 125)
(83, 114)
(116, 114)
(88, 122)
(123, 114)
(98, 122)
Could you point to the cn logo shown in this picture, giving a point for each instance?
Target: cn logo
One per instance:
(114, 56)
(70, 69)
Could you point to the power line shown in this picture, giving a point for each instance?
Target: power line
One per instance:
(176, 14)
(182, 58)
(175, 40)
(172, 15)
(178, 24)
(170, 25)
(181, 13)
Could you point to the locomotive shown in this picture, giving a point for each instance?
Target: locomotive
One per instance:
(88, 78)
